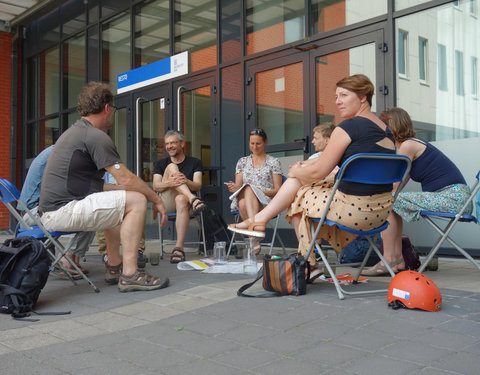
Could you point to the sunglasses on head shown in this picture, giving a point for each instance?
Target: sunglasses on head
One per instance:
(257, 132)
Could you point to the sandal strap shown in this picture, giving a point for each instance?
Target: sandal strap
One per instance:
(114, 269)
(142, 278)
(178, 252)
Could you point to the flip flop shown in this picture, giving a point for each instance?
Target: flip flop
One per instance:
(315, 273)
(381, 269)
(62, 275)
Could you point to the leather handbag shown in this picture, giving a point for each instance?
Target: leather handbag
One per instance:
(282, 276)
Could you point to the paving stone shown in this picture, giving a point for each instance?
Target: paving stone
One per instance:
(17, 364)
(203, 366)
(365, 339)
(463, 326)
(289, 365)
(464, 363)
(247, 358)
(285, 343)
(198, 325)
(330, 354)
(247, 333)
(416, 352)
(376, 364)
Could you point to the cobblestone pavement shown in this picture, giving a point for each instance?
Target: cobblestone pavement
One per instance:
(199, 326)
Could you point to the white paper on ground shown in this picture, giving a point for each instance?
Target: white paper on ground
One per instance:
(230, 267)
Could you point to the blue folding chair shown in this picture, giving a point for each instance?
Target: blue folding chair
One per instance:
(10, 196)
(372, 169)
(452, 219)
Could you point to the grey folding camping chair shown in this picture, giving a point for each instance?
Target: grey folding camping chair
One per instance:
(372, 169)
(452, 219)
(275, 234)
(10, 196)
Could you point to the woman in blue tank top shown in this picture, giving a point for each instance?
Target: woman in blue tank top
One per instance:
(443, 187)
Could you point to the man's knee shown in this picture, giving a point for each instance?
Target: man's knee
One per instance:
(181, 202)
(136, 199)
(171, 168)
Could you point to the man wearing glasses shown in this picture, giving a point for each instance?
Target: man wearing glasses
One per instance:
(74, 197)
(177, 178)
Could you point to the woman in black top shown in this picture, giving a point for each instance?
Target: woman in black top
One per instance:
(362, 131)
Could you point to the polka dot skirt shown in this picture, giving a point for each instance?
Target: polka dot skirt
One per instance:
(359, 212)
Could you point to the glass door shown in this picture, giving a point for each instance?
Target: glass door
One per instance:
(150, 115)
(288, 96)
(365, 55)
(196, 118)
(275, 103)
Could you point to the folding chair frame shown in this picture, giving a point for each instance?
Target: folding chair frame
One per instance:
(11, 194)
(270, 244)
(453, 220)
(172, 217)
(347, 173)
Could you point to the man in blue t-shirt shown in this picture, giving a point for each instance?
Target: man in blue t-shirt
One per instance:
(176, 178)
(30, 194)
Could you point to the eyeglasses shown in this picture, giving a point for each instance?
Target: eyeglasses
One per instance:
(114, 108)
(257, 131)
(171, 143)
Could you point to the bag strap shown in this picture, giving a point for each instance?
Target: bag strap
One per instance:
(14, 294)
(243, 288)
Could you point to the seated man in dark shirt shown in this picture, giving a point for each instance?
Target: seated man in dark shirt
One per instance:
(72, 196)
(176, 178)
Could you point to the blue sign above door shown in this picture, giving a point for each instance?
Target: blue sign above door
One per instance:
(158, 71)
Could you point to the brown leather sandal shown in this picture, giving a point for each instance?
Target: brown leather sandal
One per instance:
(251, 224)
(141, 280)
(112, 273)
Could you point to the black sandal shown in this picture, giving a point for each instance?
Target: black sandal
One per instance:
(178, 255)
(199, 206)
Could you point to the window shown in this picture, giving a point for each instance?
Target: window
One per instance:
(423, 59)
(402, 52)
(442, 67)
(474, 73)
(459, 73)
(473, 7)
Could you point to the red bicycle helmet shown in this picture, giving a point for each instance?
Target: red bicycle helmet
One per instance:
(414, 290)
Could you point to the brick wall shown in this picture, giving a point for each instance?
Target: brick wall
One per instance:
(5, 85)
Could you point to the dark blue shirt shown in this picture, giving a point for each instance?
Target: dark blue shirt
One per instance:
(434, 170)
(365, 135)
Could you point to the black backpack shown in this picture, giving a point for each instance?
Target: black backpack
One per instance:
(216, 229)
(24, 269)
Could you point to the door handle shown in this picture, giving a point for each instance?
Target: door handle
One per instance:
(305, 143)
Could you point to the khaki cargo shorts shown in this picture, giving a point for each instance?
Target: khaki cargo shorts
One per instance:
(98, 211)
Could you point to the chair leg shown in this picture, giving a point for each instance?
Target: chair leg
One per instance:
(204, 241)
(63, 254)
(232, 241)
(444, 236)
(160, 237)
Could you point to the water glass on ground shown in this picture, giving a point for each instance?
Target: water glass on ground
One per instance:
(249, 257)
(219, 252)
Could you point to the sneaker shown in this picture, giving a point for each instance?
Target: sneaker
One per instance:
(112, 273)
(142, 260)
